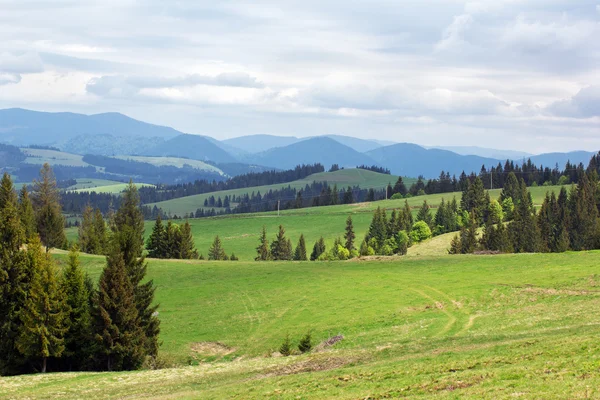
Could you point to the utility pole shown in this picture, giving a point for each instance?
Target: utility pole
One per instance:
(278, 201)
(491, 180)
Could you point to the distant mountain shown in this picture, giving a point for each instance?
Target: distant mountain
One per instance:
(260, 143)
(408, 159)
(484, 152)
(109, 145)
(551, 159)
(194, 147)
(24, 127)
(319, 149)
(360, 145)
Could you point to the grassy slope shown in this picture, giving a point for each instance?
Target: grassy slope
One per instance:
(454, 327)
(174, 162)
(53, 157)
(114, 188)
(88, 183)
(343, 178)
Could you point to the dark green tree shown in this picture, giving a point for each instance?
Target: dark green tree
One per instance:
(305, 344)
(280, 248)
(89, 241)
(263, 251)
(474, 200)
(26, 213)
(49, 219)
(286, 347)
(350, 236)
(400, 187)
(157, 241)
(216, 251)
(188, 248)
(318, 249)
(424, 215)
(524, 231)
(300, 253)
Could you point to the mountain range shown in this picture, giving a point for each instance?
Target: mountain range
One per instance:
(116, 134)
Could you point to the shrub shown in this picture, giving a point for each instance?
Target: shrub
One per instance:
(354, 254)
(420, 232)
(396, 196)
(370, 251)
(305, 344)
(403, 242)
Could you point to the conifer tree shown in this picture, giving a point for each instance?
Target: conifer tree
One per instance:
(468, 236)
(425, 214)
(335, 196)
(511, 188)
(400, 187)
(349, 236)
(88, 239)
(305, 344)
(286, 347)
(102, 234)
(583, 215)
(26, 213)
(524, 231)
(280, 249)
(44, 315)
(407, 218)
(128, 237)
(318, 249)
(188, 248)
(15, 278)
(120, 335)
(78, 337)
(263, 250)
(49, 220)
(300, 253)
(474, 200)
(156, 243)
(216, 251)
(455, 247)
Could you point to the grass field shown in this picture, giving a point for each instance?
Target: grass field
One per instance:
(88, 183)
(502, 327)
(114, 187)
(173, 162)
(343, 178)
(53, 157)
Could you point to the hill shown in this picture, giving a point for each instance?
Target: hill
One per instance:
(413, 160)
(484, 152)
(260, 143)
(551, 159)
(24, 127)
(360, 145)
(174, 162)
(458, 327)
(194, 147)
(342, 178)
(322, 150)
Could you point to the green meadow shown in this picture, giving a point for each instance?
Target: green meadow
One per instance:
(507, 326)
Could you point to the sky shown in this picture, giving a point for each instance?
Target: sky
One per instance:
(507, 74)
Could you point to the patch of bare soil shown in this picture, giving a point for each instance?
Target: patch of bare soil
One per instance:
(211, 349)
(312, 365)
(329, 342)
(554, 292)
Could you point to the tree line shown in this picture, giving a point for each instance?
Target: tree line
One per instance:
(58, 320)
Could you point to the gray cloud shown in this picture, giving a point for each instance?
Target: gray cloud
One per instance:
(585, 104)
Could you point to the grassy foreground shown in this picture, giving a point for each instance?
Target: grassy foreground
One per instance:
(423, 327)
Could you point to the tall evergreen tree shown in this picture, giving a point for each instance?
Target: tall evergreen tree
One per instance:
(156, 243)
(400, 187)
(128, 236)
(78, 337)
(300, 253)
(350, 236)
(524, 231)
(263, 250)
(318, 249)
(216, 251)
(45, 312)
(102, 233)
(378, 228)
(583, 215)
(424, 214)
(279, 247)
(120, 334)
(88, 239)
(15, 278)
(188, 248)
(26, 213)
(49, 219)
(474, 200)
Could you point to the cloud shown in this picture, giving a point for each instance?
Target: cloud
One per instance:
(585, 104)
(454, 34)
(24, 63)
(122, 86)
(9, 78)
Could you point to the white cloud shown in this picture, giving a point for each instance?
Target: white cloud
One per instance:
(585, 104)
(20, 63)
(454, 34)
(9, 78)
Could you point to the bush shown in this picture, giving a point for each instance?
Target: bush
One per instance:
(286, 347)
(403, 242)
(420, 232)
(370, 251)
(305, 344)
(563, 180)
(354, 253)
(396, 196)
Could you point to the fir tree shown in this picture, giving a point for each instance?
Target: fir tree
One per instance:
(364, 249)
(88, 239)
(335, 197)
(216, 251)
(45, 312)
(524, 231)
(188, 248)
(378, 228)
(305, 344)
(318, 249)
(349, 236)
(128, 236)
(300, 253)
(280, 249)
(455, 247)
(474, 200)
(49, 219)
(15, 277)
(120, 334)
(286, 347)
(79, 334)
(102, 234)
(424, 214)
(583, 215)
(400, 187)
(263, 250)
(156, 243)
(26, 213)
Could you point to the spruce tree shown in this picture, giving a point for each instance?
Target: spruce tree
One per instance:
(188, 248)
(120, 334)
(318, 249)
(378, 229)
(78, 337)
(216, 251)
(584, 215)
(349, 236)
(263, 250)
(44, 315)
(305, 344)
(300, 253)
(424, 214)
(475, 200)
(524, 231)
(88, 239)
(102, 234)
(280, 247)
(49, 219)
(286, 347)
(15, 278)
(128, 237)
(156, 243)
(26, 213)
(400, 187)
